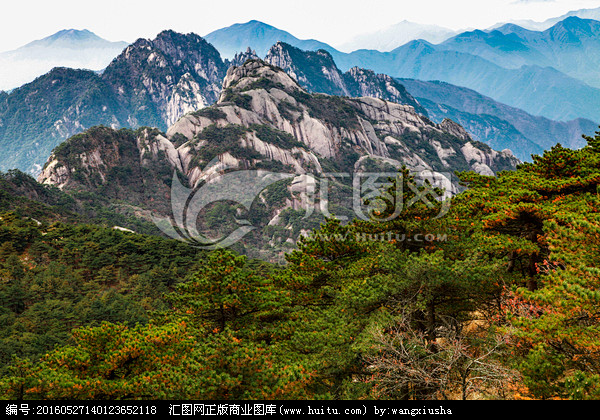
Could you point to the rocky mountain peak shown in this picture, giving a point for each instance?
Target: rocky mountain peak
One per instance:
(314, 70)
(317, 72)
(255, 73)
(241, 57)
(364, 82)
(172, 52)
(69, 39)
(455, 129)
(160, 80)
(263, 121)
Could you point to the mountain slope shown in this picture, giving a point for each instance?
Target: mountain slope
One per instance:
(159, 80)
(38, 116)
(258, 36)
(265, 120)
(493, 131)
(152, 82)
(316, 71)
(67, 48)
(512, 128)
(571, 46)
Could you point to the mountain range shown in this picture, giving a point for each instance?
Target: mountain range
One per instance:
(542, 26)
(151, 83)
(549, 73)
(155, 82)
(494, 123)
(533, 86)
(258, 36)
(497, 124)
(394, 36)
(571, 46)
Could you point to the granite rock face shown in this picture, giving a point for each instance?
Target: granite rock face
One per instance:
(265, 122)
(241, 57)
(263, 114)
(317, 72)
(166, 77)
(151, 83)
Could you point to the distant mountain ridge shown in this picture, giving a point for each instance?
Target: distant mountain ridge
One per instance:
(67, 48)
(70, 38)
(499, 125)
(394, 36)
(535, 88)
(571, 46)
(548, 23)
(258, 36)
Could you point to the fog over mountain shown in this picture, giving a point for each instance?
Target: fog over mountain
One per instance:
(79, 49)
(396, 35)
(548, 23)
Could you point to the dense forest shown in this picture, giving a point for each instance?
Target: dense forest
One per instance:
(498, 299)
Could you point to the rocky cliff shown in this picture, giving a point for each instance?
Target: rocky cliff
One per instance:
(241, 57)
(151, 83)
(316, 71)
(265, 120)
(164, 78)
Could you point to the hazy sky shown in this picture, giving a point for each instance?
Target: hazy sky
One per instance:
(333, 22)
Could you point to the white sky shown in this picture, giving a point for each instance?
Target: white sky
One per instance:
(333, 22)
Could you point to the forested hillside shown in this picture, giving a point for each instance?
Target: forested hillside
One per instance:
(496, 300)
